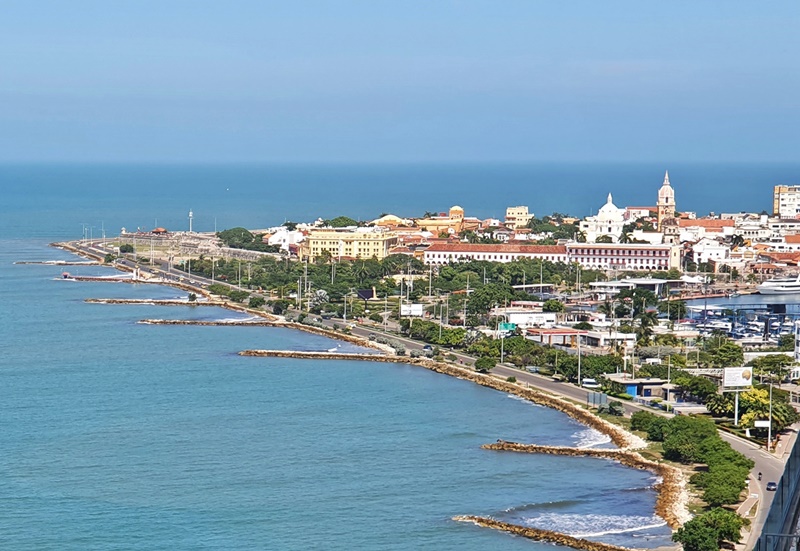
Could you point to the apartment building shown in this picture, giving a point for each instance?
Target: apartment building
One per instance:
(349, 243)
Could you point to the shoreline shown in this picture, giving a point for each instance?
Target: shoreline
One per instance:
(671, 500)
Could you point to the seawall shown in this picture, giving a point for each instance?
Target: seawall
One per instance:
(670, 489)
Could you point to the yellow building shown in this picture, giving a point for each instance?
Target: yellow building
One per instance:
(349, 243)
(517, 217)
(450, 224)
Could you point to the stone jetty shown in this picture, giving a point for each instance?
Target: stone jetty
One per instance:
(235, 323)
(318, 355)
(157, 302)
(540, 535)
(670, 489)
(60, 262)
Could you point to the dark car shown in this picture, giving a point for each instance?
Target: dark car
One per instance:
(772, 486)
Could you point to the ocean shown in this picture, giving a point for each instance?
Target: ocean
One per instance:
(106, 198)
(118, 435)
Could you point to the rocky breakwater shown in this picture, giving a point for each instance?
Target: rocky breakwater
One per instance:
(540, 535)
(318, 355)
(157, 302)
(670, 501)
(234, 323)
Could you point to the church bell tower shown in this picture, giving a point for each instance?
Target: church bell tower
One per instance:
(666, 201)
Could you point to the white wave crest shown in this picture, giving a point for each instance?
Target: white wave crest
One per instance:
(589, 438)
(594, 525)
(520, 399)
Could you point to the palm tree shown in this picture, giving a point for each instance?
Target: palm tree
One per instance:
(645, 329)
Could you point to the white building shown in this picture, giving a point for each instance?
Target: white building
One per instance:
(625, 256)
(283, 237)
(599, 256)
(526, 317)
(786, 201)
(444, 253)
(608, 222)
(707, 250)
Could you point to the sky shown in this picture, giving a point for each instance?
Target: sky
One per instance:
(399, 81)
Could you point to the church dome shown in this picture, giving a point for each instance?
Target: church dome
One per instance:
(609, 211)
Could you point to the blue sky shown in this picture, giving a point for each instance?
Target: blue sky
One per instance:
(395, 81)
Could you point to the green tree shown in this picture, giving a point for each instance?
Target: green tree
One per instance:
(728, 355)
(484, 364)
(707, 531)
(238, 296)
(676, 309)
(341, 222)
(236, 238)
(256, 301)
(553, 305)
(126, 248)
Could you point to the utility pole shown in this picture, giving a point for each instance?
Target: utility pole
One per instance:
(466, 298)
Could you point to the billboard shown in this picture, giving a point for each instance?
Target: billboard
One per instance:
(416, 310)
(734, 377)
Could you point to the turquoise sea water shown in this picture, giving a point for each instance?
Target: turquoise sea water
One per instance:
(117, 435)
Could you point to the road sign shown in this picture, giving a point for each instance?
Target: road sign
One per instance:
(507, 326)
(761, 424)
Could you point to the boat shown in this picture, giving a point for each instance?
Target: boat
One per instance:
(780, 286)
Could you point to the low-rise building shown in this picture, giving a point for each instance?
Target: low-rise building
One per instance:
(349, 243)
(599, 256)
(625, 256)
(444, 253)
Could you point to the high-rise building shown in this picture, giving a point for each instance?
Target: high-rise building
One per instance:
(786, 201)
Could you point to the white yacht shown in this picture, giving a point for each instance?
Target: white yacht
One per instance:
(780, 286)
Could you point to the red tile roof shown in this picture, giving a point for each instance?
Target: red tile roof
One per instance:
(504, 248)
(705, 223)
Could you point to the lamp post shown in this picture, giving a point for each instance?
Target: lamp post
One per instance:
(769, 429)
(580, 381)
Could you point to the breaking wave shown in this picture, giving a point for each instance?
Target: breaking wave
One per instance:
(589, 438)
(593, 525)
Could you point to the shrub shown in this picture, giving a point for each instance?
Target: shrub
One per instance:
(616, 408)
(511, 380)
(256, 302)
(641, 420)
(219, 289)
(237, 295)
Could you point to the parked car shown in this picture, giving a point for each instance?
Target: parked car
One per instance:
(772, 486)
